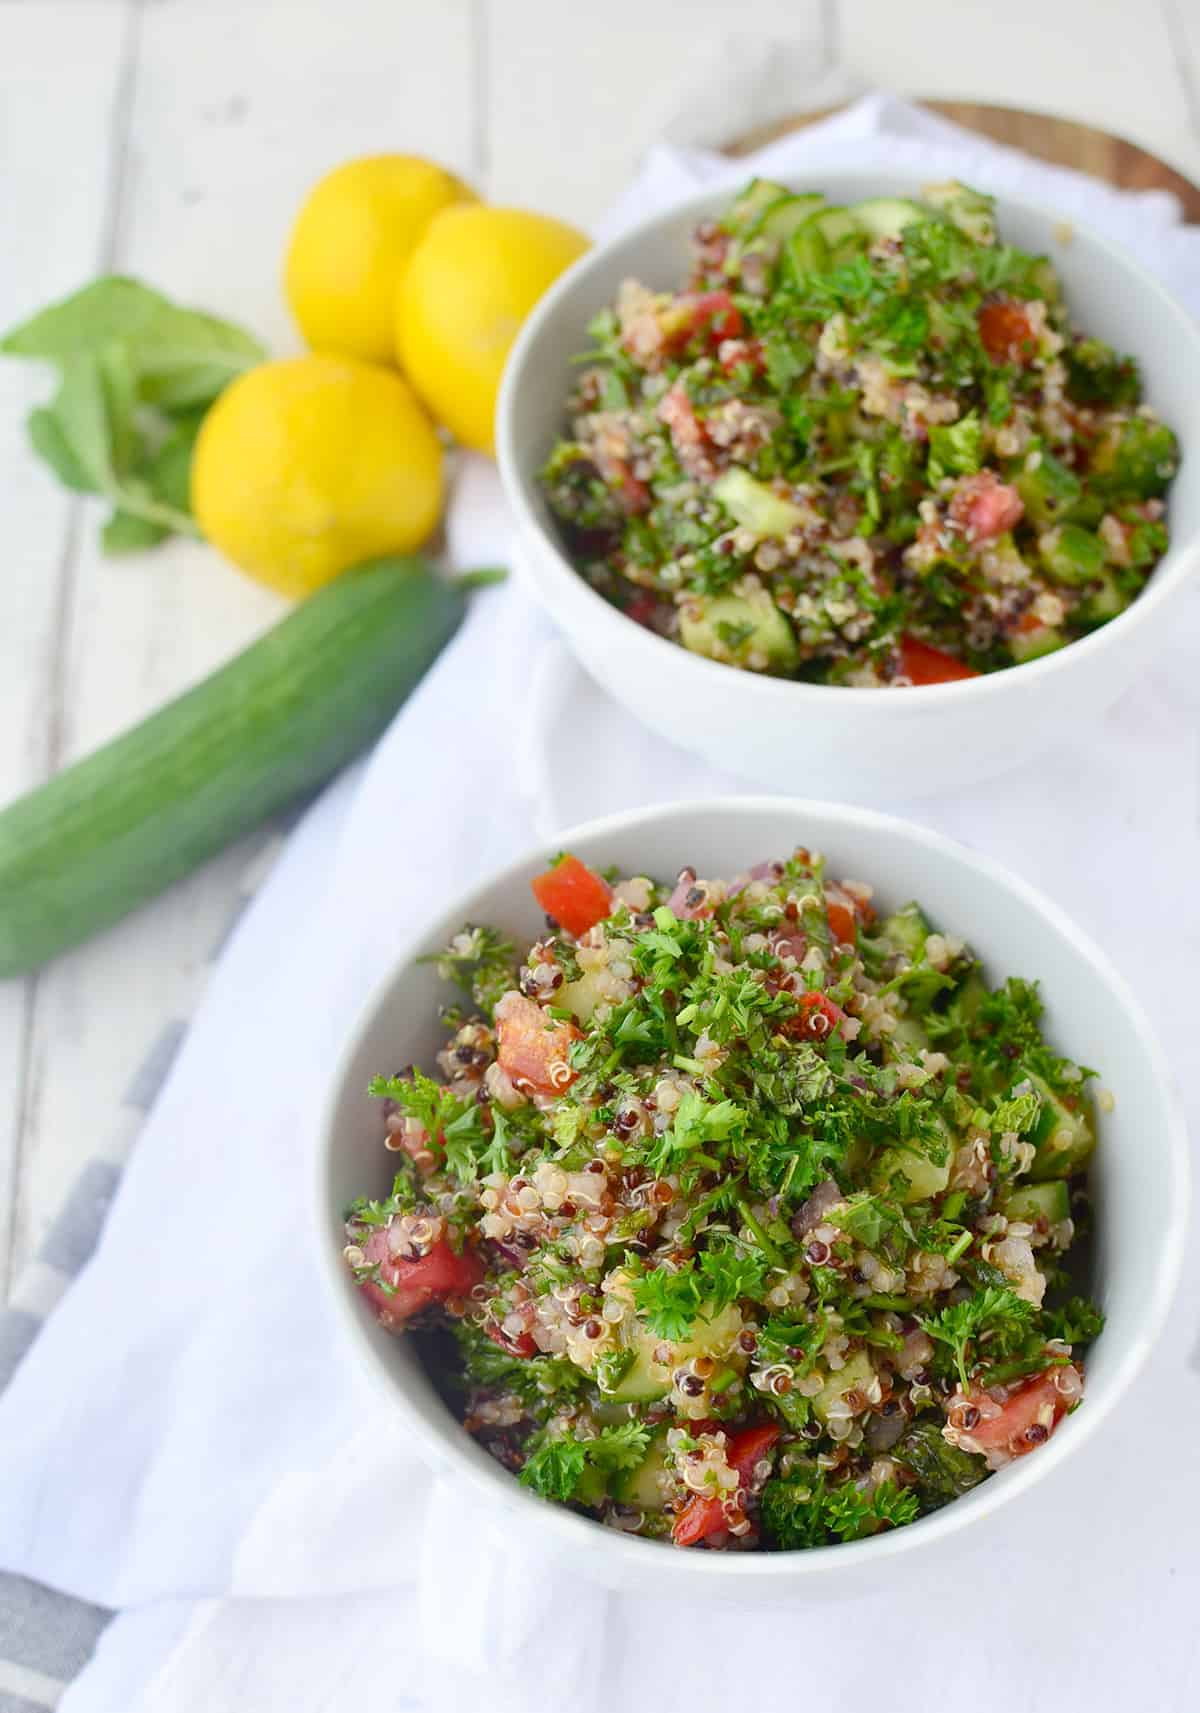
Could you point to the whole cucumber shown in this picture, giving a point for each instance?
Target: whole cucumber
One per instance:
(275, 723)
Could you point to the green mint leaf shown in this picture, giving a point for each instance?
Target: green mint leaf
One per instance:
(180, 358)
(136, 373)
(51, 441)
(126, 533)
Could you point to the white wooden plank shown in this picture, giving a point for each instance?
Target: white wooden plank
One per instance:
(1182, 18)
(1104, 62)
(577, 94)
(238, 106)
(56, 120)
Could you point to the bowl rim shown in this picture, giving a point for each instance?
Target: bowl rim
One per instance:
(565, 1530)
(1181, 560)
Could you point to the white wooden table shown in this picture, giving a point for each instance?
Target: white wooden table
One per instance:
(173, 139)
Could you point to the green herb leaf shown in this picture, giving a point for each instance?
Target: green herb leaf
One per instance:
(956, 449)
(130, 362)
(555, 1468)
(1078, 1322)
(479, 961)
(995, 1313)
(180, 358)
(558, 1463)
(943, 1471)
(806, 1512)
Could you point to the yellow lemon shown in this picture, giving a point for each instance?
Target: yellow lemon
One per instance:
(471, 282)
(350, 244)
(306, 467)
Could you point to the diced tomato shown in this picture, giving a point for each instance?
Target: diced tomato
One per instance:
(716, 313)
(415, 1284)
(643, 609)
(702, 1517)
(924, 664)
(817, 1019)
(709, 316)
(532, 1048)
(699, 1518)
(843, 913)
(632, 493)
(843, 924)
(1007, 333)
(1035, 1405)
(984, 506)
(1029, 621)
(749, 1447)
(573, 894)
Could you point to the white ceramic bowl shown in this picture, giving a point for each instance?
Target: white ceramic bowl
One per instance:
(1139, 1177)
(865, 745)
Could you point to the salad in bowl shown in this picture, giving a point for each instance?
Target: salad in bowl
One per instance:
(735, 1212)
(866, 445)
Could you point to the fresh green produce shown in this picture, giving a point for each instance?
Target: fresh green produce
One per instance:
(733, 1213)
(272, 725)
(136, 375)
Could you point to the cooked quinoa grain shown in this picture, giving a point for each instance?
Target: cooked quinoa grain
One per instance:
(860, 446)
(735, 1214)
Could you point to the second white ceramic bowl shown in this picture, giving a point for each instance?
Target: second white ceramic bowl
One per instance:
(1139, 1177)
(865, 745)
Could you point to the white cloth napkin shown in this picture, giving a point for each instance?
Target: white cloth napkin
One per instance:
(189, 1440)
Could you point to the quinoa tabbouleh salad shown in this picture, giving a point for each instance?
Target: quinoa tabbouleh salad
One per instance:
(860, 446)
(735, 1214)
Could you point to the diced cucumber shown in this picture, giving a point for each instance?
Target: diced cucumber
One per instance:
(649, 1379)
(1064, 1136)
(969, 210)
(822, 240)
(1102, 603)
(608, 1412)
(971, 996)
(647, 1487)
(592, 1487)
(925, 1177)
(835, 225)
(1031, 1202)
(1045, 280)
(645, 1381)
(749, 208)
(737, 629)
(907, 928)
(755, 506)
(910, 1035)
(857, 1375)
(1072, 555)
(786, 215)
(1047, 487)
(1026, 645)
(887, 216)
